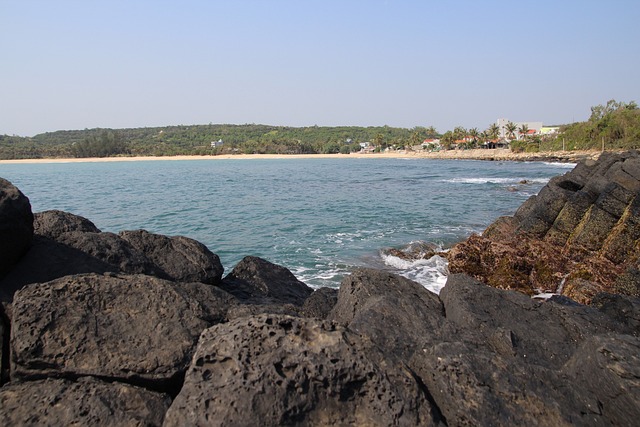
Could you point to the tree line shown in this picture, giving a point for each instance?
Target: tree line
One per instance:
(197, 140)
(614, 125)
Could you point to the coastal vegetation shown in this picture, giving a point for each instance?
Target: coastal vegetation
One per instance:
(614, 125)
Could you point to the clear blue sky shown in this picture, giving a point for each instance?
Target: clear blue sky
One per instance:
(126, 63)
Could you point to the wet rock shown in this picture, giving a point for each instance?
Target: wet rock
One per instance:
(577, 236)
(257, 281)
(181, 258)
(283, 370)
(87, 401)
(138, 329)
(54, 223)
(16, 225)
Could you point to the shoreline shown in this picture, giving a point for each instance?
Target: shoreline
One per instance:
(497, 154)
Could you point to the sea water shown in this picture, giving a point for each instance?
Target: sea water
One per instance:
(320, 218)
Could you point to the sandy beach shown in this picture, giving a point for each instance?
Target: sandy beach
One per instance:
(477, 154)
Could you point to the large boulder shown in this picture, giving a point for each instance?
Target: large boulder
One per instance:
(112, 249)
(181, 258)
(277, 370)
(509, 360)
(86, 401)
(577, 237)
(16, 225)
(54, 223)
(137, 328)
(393, 312)
(257, 281)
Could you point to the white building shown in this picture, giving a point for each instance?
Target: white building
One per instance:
(533, 126)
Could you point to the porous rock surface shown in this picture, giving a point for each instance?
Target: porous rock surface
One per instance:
(134, 328)
(578, 237)
(88, 401)
(280, 370)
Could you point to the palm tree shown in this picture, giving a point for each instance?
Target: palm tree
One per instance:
(511, 130)
(432, 132)
(474, 133)
(524, 130)
(494, 131)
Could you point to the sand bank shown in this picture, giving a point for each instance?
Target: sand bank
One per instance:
(478, 154)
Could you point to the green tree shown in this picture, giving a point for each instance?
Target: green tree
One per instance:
(523, 130)
(511, 129)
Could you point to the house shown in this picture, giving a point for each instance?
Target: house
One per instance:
(502, 123)
(216, 144)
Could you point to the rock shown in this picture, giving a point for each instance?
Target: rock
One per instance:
(320, 303)
(113, 250)
(138, 329)
(257, 281)
(4, 350)
(48, 260)
(505, 363)
(87, 401)
(283, 370)
(181, 258)
(16, 225)
(621, 308)
(473, 386)
(608, 367)
(545, 334)
(393, 312)
(54, 223)
(578, 236)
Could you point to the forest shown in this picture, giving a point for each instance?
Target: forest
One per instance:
(614, 125)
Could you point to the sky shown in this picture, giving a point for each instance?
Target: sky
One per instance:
(81, 64)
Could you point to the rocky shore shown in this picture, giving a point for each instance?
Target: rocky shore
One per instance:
(136, 328)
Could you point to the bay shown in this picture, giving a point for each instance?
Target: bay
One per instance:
(320, 218)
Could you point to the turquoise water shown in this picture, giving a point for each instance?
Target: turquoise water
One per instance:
(317, 217)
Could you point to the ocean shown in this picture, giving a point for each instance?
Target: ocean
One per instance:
(320, 218)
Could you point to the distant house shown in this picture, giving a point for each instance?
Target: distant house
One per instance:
(532, 126)
(218, 143)
(549, 130)
(367, 147)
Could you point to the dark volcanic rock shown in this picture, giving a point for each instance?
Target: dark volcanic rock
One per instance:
(47, 260)
(504, 364)
(54, 223)
(181, 258)
(110, 248)
(546, 334)
(608, 367)
(136, 328)
(320, 303)
(87, 402)
(577, 236)
(279, 370)
(257, 281)
(393, 312)
(16, 225)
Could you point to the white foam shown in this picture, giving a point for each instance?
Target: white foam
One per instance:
(431, 273)
(490, 180)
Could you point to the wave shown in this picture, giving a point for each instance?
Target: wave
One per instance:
(429, 272)
(490, 180)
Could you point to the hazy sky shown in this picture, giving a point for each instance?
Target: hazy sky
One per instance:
(132, 63)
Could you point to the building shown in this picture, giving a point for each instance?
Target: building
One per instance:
(216, 144)
(533, 126)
